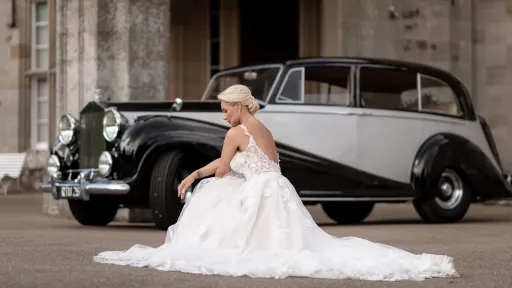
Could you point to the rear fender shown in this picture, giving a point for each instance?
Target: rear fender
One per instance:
(448, 150)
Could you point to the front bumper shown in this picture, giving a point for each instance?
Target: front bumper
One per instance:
(87, 183)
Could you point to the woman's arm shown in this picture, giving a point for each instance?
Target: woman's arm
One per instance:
(207, 170)
(199, 173)
(228, 151)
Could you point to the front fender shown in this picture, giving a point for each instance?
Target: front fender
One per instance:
(449, 150)
(147, 137)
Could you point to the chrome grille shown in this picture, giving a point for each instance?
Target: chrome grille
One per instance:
(92, 142)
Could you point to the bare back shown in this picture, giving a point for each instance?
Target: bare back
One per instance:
(263, 138)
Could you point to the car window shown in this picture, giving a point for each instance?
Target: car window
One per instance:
(317, 85)
(292, 89)
(259, 79)
(438, 97)
(393, 89)
(390, 89)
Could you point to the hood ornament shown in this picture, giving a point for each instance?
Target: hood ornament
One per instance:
(98, 96)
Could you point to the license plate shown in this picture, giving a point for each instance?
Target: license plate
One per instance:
(69, 192)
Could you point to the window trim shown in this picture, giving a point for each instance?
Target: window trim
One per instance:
(241, 69)
(279, 99)
(33, 37)
(457, 101)
(353, 83)
(34, 119)
(460, 115)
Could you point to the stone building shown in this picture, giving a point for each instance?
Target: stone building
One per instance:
(58, 52)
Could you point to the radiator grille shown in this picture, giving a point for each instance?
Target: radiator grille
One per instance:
(92, 142)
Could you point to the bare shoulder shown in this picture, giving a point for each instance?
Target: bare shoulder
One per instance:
(234, 133)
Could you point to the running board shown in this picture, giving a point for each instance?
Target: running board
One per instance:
(355, 199)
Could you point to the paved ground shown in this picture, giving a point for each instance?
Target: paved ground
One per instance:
(37, 251)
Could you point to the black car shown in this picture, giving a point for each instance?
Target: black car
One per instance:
(351, 132)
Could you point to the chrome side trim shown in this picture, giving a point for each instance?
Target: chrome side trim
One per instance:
(355, 199)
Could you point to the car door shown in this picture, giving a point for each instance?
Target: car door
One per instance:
(390, 129)
(313, 122)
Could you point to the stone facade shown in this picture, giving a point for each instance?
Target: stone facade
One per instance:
(14, 62)
(118, 46)
(493, 70)
(12, 54)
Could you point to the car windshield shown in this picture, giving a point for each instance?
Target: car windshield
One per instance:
(259, 79)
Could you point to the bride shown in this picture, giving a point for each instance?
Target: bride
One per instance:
(248, 220)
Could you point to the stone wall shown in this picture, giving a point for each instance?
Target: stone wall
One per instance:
(12, 53)
(14, 60)
(493, 70)
(435, 32)
(118, 46)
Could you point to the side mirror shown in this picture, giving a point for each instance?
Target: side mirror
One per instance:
(261, 103)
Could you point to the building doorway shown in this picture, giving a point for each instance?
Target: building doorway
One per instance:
(268, 31)
(208, 36)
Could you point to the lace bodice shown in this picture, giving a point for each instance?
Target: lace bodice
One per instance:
(252, 161)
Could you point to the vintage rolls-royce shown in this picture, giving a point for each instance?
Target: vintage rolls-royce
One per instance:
(351, 132)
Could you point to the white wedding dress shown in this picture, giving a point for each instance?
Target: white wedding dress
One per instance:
(252, 223)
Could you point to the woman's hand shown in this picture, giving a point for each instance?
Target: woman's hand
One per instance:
(185, 184)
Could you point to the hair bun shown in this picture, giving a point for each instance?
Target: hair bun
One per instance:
(253, 106)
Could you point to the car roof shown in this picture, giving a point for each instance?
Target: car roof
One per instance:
(354, 60)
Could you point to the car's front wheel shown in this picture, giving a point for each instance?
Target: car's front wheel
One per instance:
(451, 202)
(164, 202)
(348, 212)
(99, 210)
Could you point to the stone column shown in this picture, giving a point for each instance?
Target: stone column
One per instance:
(493, 71)
(119, 46)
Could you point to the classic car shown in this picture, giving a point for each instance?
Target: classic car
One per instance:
(351, 132)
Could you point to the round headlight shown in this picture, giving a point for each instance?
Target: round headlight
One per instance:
(53, 165)
(111, 124)
(67, 125)
(105, 163)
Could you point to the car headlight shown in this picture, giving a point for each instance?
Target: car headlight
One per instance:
(67, 126)
(53, 165)
(111, 124)
(105, 163)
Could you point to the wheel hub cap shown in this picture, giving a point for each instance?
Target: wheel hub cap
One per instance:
(451, 190)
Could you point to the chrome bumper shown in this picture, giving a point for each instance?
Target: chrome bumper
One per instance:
(86, 184)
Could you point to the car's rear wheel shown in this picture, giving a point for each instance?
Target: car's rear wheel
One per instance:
(167, 174)
(451, 202)
(348, 212)
(99, 210)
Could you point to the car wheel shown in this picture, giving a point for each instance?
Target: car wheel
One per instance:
(451, 202)
(164, 202)
(348, 213)
(99, 210)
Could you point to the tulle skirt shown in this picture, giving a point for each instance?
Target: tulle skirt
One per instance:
(258, 227)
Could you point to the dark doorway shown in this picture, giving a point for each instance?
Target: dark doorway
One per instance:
(269, 30)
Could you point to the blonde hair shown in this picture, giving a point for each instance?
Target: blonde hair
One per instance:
(240, 93)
